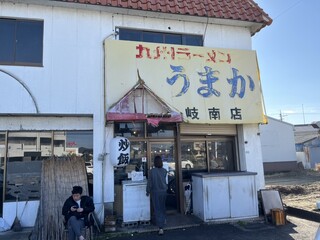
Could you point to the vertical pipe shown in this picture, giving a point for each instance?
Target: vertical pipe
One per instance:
(179, 183)
(5, 168)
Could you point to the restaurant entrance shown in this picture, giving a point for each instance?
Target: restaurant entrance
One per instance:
(167, 152)
(146, 142)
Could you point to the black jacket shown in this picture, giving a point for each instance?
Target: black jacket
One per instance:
(87, 205)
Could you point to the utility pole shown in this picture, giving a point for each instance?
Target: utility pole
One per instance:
(281, 116)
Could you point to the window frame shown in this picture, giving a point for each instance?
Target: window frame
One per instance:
(141, 36)
(13, 59)
(206, 140)
(9, 159)
(146, 130)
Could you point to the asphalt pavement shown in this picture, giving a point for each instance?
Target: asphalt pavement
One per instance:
(295, 228)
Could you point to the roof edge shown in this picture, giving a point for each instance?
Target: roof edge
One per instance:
(253, 26)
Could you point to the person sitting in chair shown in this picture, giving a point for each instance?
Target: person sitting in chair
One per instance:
(76, 210)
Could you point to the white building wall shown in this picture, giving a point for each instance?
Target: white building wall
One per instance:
(277, 141)
(26, 212)
(72, 72)
(250, 152)
(71, 80)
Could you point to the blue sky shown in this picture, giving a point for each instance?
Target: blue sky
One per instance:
(289, 59)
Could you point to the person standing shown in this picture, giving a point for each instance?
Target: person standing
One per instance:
(76, 210)
(157, 187)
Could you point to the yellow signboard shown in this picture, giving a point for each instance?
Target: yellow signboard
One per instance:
(207, 85)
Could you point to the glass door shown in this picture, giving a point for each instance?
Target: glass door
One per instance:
(167, 152)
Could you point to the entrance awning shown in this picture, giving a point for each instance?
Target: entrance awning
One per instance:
(140, 103)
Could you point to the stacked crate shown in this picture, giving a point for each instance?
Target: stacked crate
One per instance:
(110, 223)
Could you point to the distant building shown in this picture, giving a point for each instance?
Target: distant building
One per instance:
(278, 146)
(308, 144)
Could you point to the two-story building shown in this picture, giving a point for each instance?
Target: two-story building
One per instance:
(177, 78)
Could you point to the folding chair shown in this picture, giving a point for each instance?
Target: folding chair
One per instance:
(273, 206)
(87, 231)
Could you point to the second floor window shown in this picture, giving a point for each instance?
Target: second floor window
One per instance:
(21, 42)
(160, 37)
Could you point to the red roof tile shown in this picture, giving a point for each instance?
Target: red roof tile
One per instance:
(242, 10)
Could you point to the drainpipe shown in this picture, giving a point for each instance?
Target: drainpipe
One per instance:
(102, 156)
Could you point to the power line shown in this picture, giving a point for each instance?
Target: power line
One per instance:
(287, 9)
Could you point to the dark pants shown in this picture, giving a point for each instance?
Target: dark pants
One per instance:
(74, 227)
(159, 207)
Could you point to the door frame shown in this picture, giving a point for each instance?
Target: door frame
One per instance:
(177, 166)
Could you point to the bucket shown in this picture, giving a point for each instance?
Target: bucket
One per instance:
(278, 217)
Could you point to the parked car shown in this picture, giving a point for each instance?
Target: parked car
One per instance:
(187, 164)
(89, 168)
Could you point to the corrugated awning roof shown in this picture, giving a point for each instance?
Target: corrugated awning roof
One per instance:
(241, 10)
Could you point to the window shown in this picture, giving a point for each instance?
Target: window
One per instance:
(158, 37)
(195, 154)
(138, 151)
(129, 129)
(161, 131)
(142, 136)
(208, 155)
(27, 150)
(221, 155)
(137, 130)
(21, 42)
